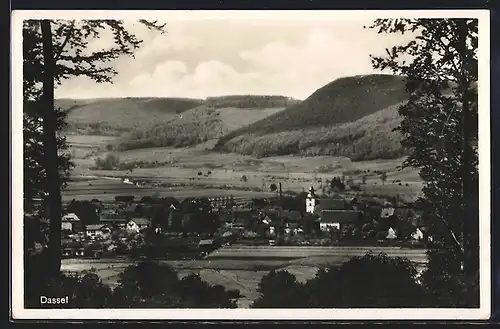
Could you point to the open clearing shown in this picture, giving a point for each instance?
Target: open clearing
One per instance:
(242, 267)
(227, 171)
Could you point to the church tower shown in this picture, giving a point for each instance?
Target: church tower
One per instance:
(311, 201)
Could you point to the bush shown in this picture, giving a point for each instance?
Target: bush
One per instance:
(110, 162)
(391, 283)
(244, 178)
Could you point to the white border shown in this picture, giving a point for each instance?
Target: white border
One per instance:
(18, 310)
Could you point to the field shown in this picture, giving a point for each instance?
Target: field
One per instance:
(242, 268)
(181, 178)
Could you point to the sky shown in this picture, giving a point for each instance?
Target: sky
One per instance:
(201, 58)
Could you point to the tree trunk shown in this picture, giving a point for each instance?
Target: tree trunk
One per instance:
(468, 187)
(51, 157)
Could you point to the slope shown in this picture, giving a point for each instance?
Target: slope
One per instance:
(215, 118)
(343, 100)
(114, 116)
(368, 138)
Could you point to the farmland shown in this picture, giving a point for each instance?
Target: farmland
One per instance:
(242, 267)
(180, 173)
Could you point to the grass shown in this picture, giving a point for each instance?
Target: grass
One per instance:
(180, 174)
(370, 137)
(114, 116)
(343, 100)
(193, 127)
(245, 274)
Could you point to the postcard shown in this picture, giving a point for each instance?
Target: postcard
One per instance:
(246, 165)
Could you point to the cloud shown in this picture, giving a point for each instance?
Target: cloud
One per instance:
(192, 61)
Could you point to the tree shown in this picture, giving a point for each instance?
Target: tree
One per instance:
(273, 187)
(391, 283)
(280, 289)
(383, 177)
(439, 129)
(58, 50)
(337, 184)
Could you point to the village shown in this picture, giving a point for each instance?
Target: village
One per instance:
(166, 228)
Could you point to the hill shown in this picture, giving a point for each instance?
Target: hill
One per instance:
(368, 138)
(343, 100)
(194, 126)
(114, 116)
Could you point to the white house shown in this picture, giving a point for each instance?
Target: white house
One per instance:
(66, 226)
(97, 231)
(391, 234)
(417, 235)
(137, 224)
(70, 217)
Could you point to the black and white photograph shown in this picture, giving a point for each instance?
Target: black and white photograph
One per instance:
(330, 165)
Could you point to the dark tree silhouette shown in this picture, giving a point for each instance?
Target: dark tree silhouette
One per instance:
(58, 50)
(440, 130)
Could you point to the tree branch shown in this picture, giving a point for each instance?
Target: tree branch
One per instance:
(68, 36)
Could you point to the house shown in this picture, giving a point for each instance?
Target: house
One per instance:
(387, 212)
(66, 226)
(70, 217)
(338, 218)
(206, 245)
(97, 231)
(330, 204)
(71, 222)
(391, 234)
(417, 235)
(118, 222)
(136, 225)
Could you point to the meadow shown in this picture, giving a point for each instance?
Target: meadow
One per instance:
(242, 267)
(225, 173)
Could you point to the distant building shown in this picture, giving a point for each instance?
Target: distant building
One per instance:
(70, 217)
(417, 235)
(338, 218)
(71, 222)
(391, 234)
(96, 231)
(119, 222)
(137, 224)
(311, 201)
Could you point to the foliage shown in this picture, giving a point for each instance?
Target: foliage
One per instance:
(336, 184)
(194, 126)
(383, 177)
(85, 210)
(146, 284)
(440, 128)
(157, 285)
(117, 116)
(273, 187)
(110, 162)
(391, 283)
(337, 102)
(54, 51)
(358, 140)
(280, 289)
(250, 101)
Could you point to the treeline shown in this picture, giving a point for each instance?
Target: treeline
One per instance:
(372, 137)
(204, 126)
(391, 283)
(341, 101)
(250, 101)
(145, 285)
